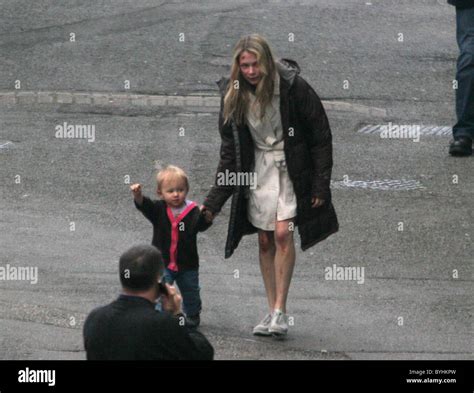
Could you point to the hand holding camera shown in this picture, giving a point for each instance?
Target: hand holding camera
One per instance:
(170, 299)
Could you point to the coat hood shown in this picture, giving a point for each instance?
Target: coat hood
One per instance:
(287, 68)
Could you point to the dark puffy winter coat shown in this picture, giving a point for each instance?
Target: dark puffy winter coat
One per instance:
(462, 3)
(308, 154)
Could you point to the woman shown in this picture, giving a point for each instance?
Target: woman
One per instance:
(272, 125)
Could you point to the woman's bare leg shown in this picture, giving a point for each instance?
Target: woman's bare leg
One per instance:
(284, 261)
(267, 252)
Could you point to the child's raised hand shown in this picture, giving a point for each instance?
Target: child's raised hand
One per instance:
(136, 189)
(137, 193)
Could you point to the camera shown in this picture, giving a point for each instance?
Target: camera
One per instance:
(162, 289)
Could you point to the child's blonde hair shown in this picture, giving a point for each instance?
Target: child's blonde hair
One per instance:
(172, 172)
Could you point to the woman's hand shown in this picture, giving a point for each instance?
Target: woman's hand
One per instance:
(208, 215)
(172, 300)
(316, 202)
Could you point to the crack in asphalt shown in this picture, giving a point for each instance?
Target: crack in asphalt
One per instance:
(107, 17)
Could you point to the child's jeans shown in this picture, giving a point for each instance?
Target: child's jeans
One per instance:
(188, 284)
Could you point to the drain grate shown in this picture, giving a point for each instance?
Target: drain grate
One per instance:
(385, 184)
(432, 130)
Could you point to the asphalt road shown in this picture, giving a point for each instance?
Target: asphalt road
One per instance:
(408, 274)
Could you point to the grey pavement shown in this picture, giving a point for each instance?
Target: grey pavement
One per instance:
(421, 274)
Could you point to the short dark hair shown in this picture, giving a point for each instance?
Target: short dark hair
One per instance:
(140, 266)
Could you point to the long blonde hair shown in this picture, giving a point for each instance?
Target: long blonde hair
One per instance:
(236, 99)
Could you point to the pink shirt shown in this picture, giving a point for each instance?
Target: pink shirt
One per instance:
(175, 215)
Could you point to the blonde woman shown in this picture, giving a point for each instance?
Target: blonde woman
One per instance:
(273, 129)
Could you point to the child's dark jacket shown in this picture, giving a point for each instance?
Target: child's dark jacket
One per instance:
(191, 224)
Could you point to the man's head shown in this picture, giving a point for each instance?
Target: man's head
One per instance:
(140, 268)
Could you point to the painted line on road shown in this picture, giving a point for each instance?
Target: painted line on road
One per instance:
(199, 102)
(6, 145)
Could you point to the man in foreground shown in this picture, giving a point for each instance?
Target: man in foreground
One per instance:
(131, 329)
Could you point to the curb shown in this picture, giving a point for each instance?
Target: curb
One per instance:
(201, 103)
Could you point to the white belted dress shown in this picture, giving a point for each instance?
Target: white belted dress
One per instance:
(272, 198)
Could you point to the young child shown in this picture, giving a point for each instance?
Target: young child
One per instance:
(176, 222)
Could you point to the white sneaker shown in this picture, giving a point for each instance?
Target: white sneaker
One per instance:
(262, 328)
(279, 324)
